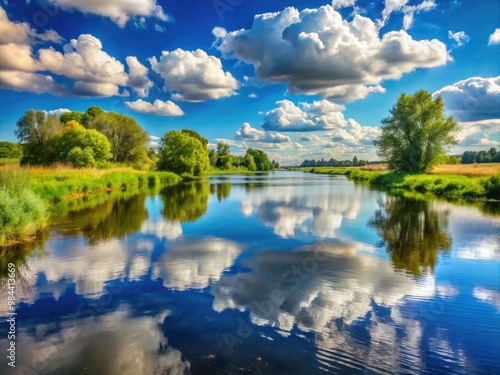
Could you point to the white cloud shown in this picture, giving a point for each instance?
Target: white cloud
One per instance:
(21, 33)
(158, 107)
(138, 77)
(57, 112)
(319, 116)
(460, 37)
(495, 37)
(317, 52)
(246, 132)
(119, 11)
(194, 75)
(409, 11)
(479, 134)
(23, 81)
(253, 96)
(337, 4)
(473, 99)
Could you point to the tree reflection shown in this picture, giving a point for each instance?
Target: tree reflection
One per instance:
(413, 232)
(185, 202)
(223, 191)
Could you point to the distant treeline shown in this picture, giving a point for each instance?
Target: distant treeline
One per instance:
(335, 163)
(491, 156)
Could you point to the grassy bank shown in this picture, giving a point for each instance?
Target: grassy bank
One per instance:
(29, 195)
(448, 185)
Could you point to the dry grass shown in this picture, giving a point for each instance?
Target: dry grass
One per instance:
(486, 169)
(374, 167)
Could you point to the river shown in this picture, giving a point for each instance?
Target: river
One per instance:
(279, 273)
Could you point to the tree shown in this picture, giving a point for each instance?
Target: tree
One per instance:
(91, 114)
(81, 147)
(10, 150)
(127, 138)
(261, 160)
(355, 161)
(35, 131)
(181, 153)
(250, 162)
(417, 134)
(196, 135)
(70, 116)
(224, 158)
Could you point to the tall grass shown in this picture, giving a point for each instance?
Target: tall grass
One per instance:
(22, 212)
(29, 195)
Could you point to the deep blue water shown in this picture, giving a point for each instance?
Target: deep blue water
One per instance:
(284, 273)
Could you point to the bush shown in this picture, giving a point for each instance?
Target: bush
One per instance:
(492, 187)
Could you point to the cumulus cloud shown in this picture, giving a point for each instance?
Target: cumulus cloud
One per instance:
(20, 33)
(119, 11)
(138, 77)
(317, 116)
(194, 76)
(460, 37)
(495, 37)
(473, 99)
(317, 52)
(248, 133)
(92, 71)
(158, 107)
(485, 133)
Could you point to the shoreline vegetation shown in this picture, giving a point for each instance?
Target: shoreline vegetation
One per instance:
(449, 181)
(29, 195)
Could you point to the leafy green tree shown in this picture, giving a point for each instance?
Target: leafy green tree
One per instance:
(261, 160)
(250, 162)
(417, 134)
(91, 114)
(224, 158)
(82, 158)
(10, 150)
(127, 138)
(83, 147)
(212, 155)
(35, 131)
(181, 153)
(355, 161)
(71, 116)
(196, 135)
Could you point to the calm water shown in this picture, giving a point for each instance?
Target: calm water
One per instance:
(286, 273)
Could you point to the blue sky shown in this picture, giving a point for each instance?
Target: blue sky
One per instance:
(298, 79)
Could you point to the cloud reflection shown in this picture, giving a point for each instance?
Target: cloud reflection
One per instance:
(196, 263)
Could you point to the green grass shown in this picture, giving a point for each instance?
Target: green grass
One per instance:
(28, 196)
(241, 170)
(7, 161)
(453, 186)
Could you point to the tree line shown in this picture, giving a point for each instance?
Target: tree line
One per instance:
(96, 138)
(335, 163)
(490, 156)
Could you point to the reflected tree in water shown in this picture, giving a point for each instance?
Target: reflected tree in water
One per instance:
(111, 219)
(413, 232)
(223, 191)
(185, 202)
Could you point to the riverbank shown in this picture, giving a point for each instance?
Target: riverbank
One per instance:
(28, 195)
(470, 187)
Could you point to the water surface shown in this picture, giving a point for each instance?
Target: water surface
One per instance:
(280, 273)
